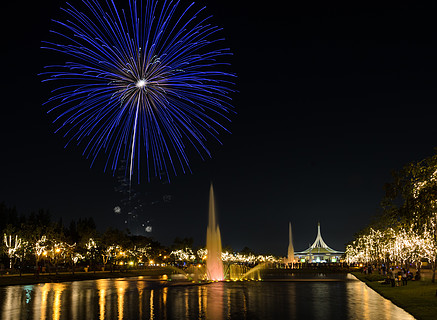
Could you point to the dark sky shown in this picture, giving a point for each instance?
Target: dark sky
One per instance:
(331, 100)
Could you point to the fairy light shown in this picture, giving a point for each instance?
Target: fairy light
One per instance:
(12, 247)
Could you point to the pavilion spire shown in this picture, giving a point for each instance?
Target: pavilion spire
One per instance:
(319, 243)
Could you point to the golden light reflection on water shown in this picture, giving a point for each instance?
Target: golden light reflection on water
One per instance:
(204, 300)
(164, 301)
(187, 309)
(364, 303)
(199, 301)
(365, 294)
(102, 285)
(140, 287)
(151, 305)
(215, 303)
(164, 295)
(102, 296)
(75, 291)
(44, 292)
(121, 286)
(244, 303)
(57, 303)
(132, 299)
(9, 298)
(229, 304)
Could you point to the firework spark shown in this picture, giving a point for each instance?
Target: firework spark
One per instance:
(145, 84)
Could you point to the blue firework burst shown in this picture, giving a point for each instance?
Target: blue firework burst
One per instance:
(144, 84)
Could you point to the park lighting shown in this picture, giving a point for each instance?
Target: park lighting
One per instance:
(12, 247)
(91, 244)
(184, 255)
(398, 246)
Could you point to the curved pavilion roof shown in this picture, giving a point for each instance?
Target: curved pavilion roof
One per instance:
(319, 246)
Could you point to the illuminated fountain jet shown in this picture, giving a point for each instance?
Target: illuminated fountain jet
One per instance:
(214, 264)
(290, 256)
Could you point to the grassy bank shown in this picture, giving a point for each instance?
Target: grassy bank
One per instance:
(419, 298)
(9, 280)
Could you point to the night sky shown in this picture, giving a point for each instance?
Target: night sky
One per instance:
(331, 100)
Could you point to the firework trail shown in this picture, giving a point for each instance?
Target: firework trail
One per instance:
(142, 84)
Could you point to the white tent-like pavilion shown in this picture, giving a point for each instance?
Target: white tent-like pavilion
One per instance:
(319, 251)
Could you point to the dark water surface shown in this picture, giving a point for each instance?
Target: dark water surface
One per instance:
(342, 297)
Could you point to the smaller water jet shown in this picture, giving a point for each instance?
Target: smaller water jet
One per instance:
(176, 273)
(254, 273)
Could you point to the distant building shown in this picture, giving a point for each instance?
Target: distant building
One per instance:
(319, 252)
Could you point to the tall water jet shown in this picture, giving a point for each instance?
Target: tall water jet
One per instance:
(214, 264)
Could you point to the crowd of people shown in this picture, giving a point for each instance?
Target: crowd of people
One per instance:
(395, 276)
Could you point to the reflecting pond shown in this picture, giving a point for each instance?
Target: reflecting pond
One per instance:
(136, 298)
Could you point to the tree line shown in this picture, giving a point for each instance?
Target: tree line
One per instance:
(36, 241)
(405, 233)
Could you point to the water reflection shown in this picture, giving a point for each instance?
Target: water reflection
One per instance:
(214, 302)
(366, 304)
(140, 287)
(320, 299)
(57, 306)
(121, 287)
(136, 298)
(102, 287)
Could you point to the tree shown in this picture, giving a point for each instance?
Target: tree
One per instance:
(410, 209)
(113, 242)
(12, 245)
(419, 208)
